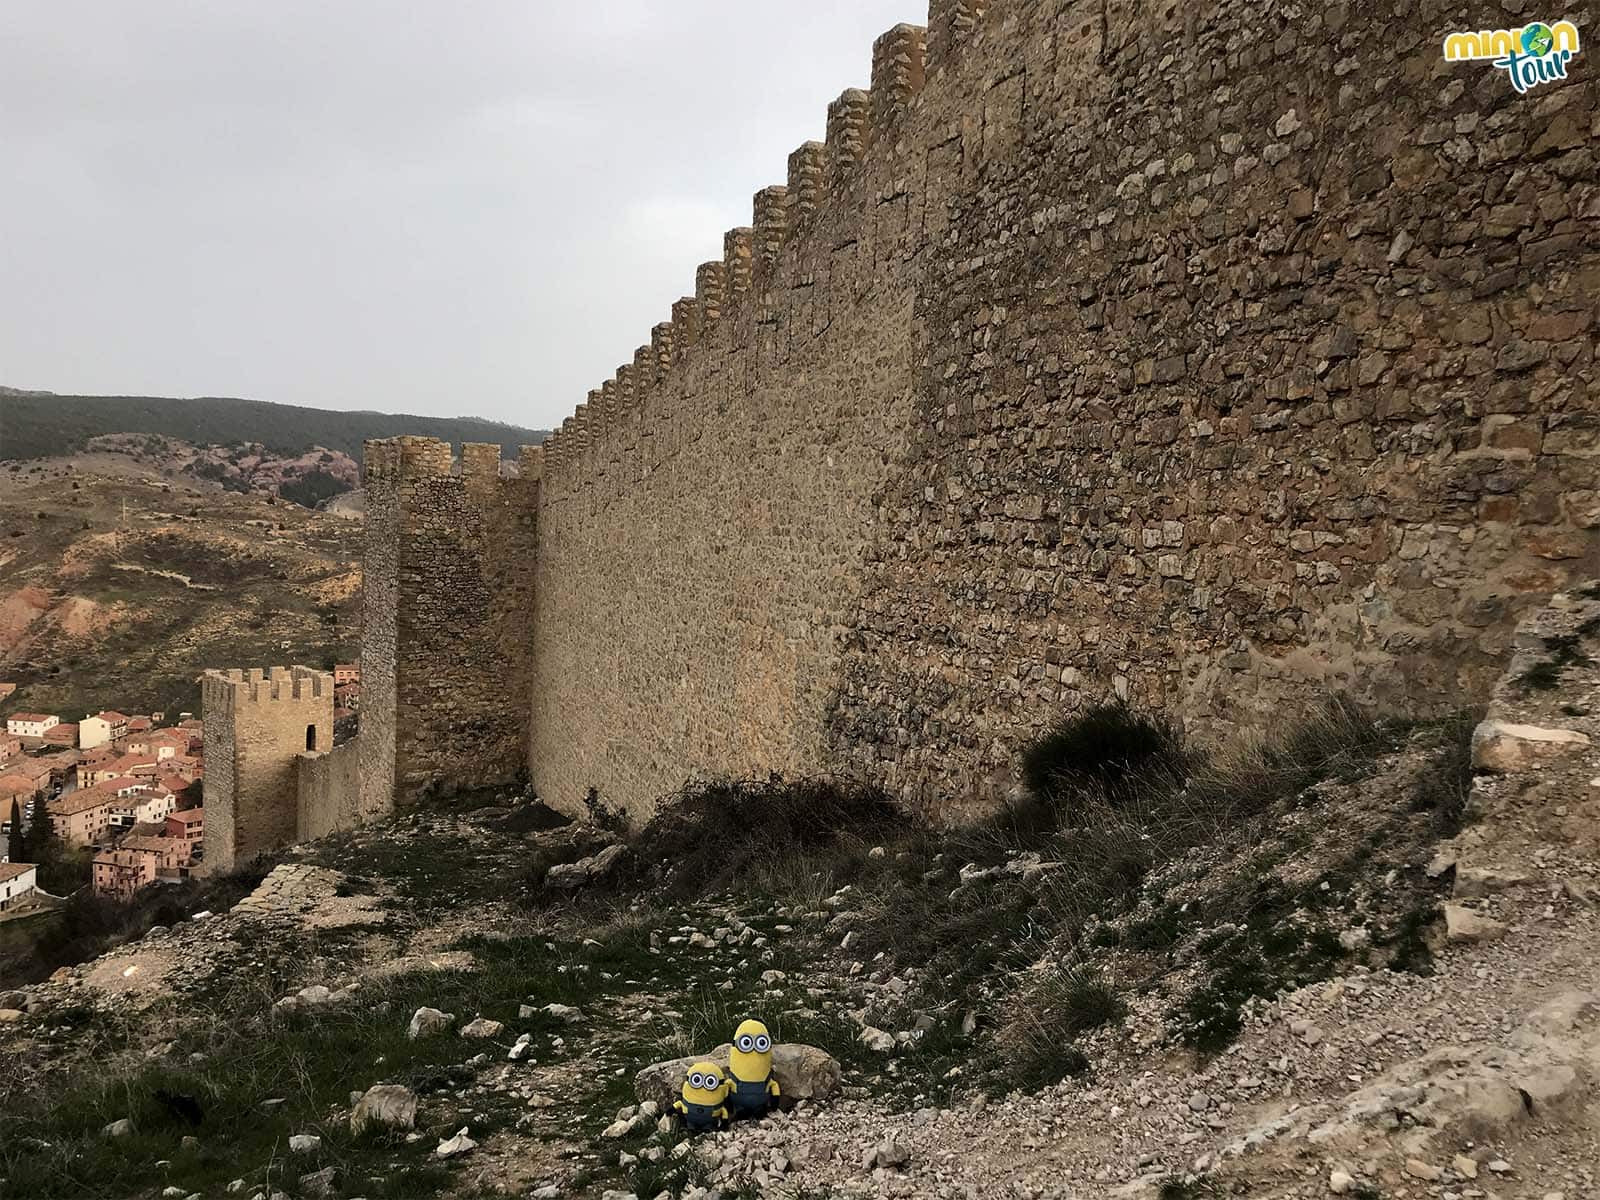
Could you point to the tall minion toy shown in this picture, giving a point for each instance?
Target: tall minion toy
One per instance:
(702, 1102)
(752, 1089)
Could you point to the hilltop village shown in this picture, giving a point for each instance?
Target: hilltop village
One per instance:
(112, 803)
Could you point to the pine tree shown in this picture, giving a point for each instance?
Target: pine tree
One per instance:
(16, 848)
(41, 844)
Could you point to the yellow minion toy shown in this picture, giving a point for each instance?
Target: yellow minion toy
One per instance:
(702, 1102)
(754, 1091)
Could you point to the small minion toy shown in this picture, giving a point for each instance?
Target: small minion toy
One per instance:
(753, 1091)
(703, 1102)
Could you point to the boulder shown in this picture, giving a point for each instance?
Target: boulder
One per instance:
(10, 1016)
(428, 1021)
(483, 1027)
(119, 1129)
(384, 1106)
(304, 1143)
(803, 1073)
(1503, 746)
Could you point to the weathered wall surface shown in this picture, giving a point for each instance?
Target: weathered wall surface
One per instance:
(256, 725)
(328, 791)
(448, 682)
(1217, 355)
(705, 518)
(1261, 367)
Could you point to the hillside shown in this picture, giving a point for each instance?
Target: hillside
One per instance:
(38, 425)
(1353, 959)
(119, 585)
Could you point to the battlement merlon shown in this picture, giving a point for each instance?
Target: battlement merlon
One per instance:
(686, 326)
(738, 249)
(849, 130)
(230, 690)
(480, 466)
(950, 23)
(710, 285)
(770, 218)
(530, 463)
(898, 72)
(807, 173)
(661, 339)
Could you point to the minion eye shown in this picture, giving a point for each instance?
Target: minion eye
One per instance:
(746, 1043)
(697, 1080)
(711, 1083)
(763, 1042)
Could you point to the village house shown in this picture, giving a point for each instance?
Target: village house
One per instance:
(17, 882)
(62, 733)
(186, 767)
(188, 825)
(16, 787)
(40, 773)
(139, 860)
(7, 689)
(84, 817)
(147, 803)
(10, 746)
(116, 768)
(118, 874)
(139, 724)
(101, 728)
(30, 725)
(346, 673)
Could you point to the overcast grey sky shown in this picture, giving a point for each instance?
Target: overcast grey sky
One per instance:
(433, 206)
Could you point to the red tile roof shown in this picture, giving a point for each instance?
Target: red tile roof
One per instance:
(10, 870)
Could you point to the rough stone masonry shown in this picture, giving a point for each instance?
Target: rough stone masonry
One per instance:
(1219, 356)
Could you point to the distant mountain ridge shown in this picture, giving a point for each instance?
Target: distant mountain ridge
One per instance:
(44, 424)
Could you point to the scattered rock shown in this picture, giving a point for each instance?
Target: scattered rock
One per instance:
(568, 876)
(305, 1143)
(1503, 746)
(428, 1021)
(482, 1028)
(1340, 1182)
(320, 1183)
(1418, 1169)
(891, 1153)
(119, 1129)
(384, 1106)
(1462, 924)
(453, 1146)
(876, 1040)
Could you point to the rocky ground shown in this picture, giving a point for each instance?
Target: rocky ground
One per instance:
(1433, 1028)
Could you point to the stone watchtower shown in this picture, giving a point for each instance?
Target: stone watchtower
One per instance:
(447, 594)
(256, 723)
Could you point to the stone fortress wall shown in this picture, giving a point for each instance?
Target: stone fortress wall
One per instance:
(1219, 356)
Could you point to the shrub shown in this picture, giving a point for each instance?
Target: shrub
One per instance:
(712, 834)
(1445, 783)
(1107, 750)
